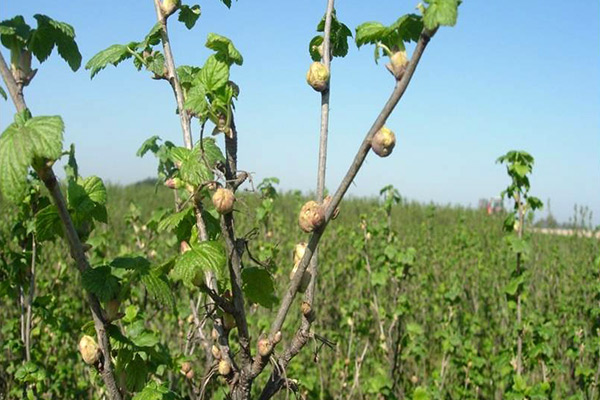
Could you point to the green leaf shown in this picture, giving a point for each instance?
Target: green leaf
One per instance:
(131, 263)
(156, 63)
(136, 372)
(158, 287)
(440, 12)
(100, 282)
(153, 37)
(50, 33)
(196, 103)
(155, 391)
(369, 32)
(145, 339)
(47, 223)
(20, 144)
(14, 33)
(170, 222)
(3, 93)
(258, 286)
(420, 393)
(339, 35)
(203, 256)
(189, 15)
(149, 144)
(95, 189)
(112, 55)
(214, 74)
(313, 48)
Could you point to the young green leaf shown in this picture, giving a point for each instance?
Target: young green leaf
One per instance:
(47, 223)
(440, 12)
(258, 286)
(50, 33)
(214, 74)
(203, 256)
(189, 15)
(112, 55)
(21, 143)
(226, 51)
(3, 93)
(100, 282)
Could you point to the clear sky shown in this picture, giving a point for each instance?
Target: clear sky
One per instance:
(510, 75)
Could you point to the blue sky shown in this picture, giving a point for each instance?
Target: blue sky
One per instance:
(510, 75)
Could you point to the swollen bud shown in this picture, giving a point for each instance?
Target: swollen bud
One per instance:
(216, 352)
(277, 337)
(305, 308)
(397, 64)
(186, 367)
(174, 183)
(318, 76)
(224, 367)
(223, 200)
(264, 347)
(299, 251)
(168, 7)
(383, 142)
(89, 350)
(311, 216)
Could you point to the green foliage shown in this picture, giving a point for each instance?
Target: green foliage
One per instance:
(339, 35)
(204, 256)
(23, 143)
(440, 12)
(390, 38)
(259, 287)
(189, 15)
(17, 36)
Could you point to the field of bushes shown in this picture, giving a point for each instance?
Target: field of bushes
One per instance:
(413, 301)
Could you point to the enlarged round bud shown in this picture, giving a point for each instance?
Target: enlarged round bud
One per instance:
(216, 352)
(168, 7)
(311, 216)
(223, 200)
(174, 183)
(318, 76)
(89, 350)
(326, 202)
(383, 142)
(190, 374)
(186, 367)
(112, 310)
(277, 337)
(184, 247)
(224, 367)
(264, 347)
(398, 63)
(299, 251)
(305, 308)
(228, 321)
(414, 379)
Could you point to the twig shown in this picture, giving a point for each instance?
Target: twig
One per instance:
(359, 158)
(15, 90)
(173, 79)
(46, 174)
